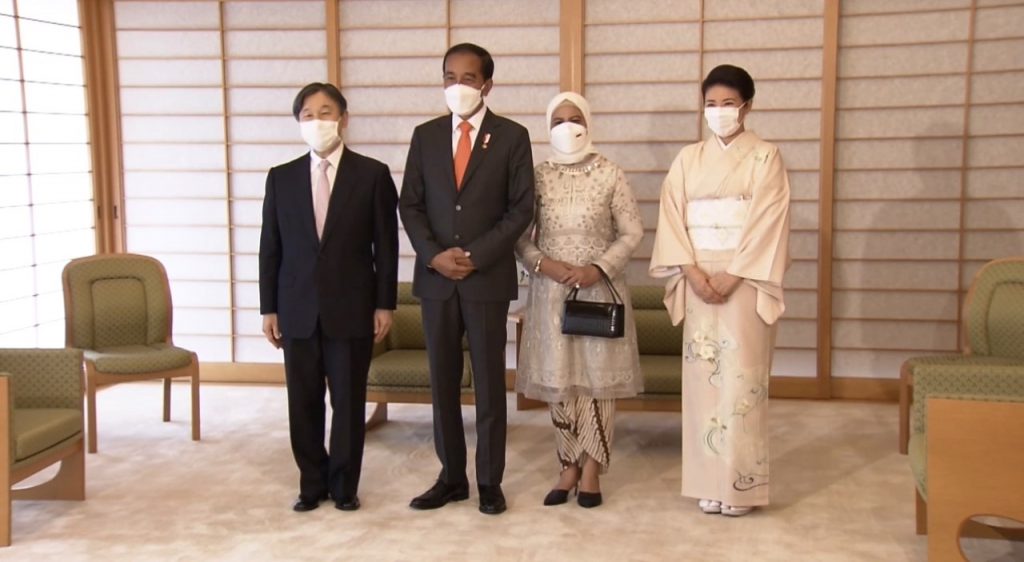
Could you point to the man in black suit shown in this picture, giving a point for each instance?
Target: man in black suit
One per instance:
(328, 286)
(466, 197)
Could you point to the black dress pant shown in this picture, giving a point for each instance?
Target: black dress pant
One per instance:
(485, 325)
(313, 365)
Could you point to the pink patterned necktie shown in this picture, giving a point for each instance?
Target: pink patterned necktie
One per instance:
(321, 198)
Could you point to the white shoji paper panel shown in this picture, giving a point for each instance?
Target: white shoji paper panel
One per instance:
(294, 14)
(46, 208)
(172, 127)
(397, 13)
(897, 271)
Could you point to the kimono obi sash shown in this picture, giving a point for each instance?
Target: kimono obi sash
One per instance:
(716, 224)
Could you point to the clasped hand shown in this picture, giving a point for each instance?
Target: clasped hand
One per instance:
(713, 289)
(567, 274)
(453, 263)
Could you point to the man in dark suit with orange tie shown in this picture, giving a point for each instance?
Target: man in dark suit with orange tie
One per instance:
(466, 197)
(328, 286)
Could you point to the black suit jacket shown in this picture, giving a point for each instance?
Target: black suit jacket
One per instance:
(352, 271)
(485, 217)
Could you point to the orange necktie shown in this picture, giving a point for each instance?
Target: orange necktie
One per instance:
(462, 154)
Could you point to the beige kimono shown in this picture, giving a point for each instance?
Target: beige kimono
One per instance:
(725, 210)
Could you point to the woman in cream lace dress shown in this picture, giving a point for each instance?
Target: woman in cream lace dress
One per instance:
(586, 218)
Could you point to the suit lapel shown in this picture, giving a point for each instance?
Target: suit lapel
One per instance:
(479, 153)
(341, 191)
(444, 140)
(305, 197)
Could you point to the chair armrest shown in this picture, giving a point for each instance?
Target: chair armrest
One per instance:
(979, 383)
(44, 378)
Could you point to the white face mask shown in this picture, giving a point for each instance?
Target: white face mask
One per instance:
(318, 134)
(462, 99)
(724, 121)
(569, 138)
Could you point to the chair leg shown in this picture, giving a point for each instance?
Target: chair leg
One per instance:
(920, 513)
(906, 389)
(90, 396)
(378, 417)
(5, 506)
(195, 400)
(944, 538)
(167, 399)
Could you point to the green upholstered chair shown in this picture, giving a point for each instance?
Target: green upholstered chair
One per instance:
(966, 427)
(660, 345)
(40, 424)
(994, 335)
(118, 309)
(399, 371)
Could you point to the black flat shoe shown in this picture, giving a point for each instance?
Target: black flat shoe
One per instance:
(492, 501)
(557, 496)
(589, 499)
(303, 504)
(347, 504)
(439, 495)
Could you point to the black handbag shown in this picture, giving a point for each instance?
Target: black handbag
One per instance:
(598, 319)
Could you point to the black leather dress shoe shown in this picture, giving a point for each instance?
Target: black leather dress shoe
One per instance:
(350, 503)
(440, 494)
(306, 504)
(492, 501)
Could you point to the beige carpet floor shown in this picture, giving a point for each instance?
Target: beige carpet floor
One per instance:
(840, 492)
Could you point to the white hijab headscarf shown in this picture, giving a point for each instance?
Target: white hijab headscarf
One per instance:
(584, 107)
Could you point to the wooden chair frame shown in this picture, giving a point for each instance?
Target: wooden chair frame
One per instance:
(68, 484)
(973, 470)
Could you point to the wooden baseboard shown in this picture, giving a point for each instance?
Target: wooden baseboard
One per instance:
(875, 390)
(793, 387)
(272, 373)
(259, 373)
(881, 390)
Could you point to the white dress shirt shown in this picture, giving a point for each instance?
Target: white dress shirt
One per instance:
(332, 169)
(475, 121)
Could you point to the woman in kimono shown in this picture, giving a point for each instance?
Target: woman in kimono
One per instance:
(722, 246)
(586, 221)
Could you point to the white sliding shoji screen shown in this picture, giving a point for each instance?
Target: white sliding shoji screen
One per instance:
(644, 61)
(271, 51)
(46, 195)
(206, 93)
(930, 132)
(993, 213)
(391, 69)
(780, 44)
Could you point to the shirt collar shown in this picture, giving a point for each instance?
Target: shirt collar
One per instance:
(475, 120)
(334, 157)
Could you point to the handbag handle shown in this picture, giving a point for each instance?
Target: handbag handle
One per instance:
(607, 282)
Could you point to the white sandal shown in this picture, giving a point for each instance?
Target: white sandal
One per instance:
(710, 506)
(735, 510)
